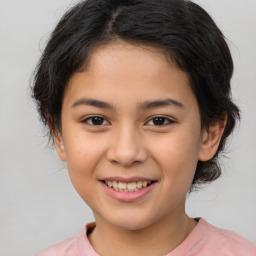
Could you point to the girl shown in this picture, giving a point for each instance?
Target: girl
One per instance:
(136, 95)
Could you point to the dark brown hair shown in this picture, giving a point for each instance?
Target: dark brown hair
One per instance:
(185, 32)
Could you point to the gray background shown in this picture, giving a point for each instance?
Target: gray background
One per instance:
(39, 206)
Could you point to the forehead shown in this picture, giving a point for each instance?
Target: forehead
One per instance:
(119, 56)
(121, 70)
(119, 48)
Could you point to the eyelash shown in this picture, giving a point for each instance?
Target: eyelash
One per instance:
(169, 120)
(91, 117)
(166, 119)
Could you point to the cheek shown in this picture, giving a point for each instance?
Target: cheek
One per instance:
(177, 155)
(82, 161)
(83, 156)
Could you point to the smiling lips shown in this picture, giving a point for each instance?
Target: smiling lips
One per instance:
(127, 187)
(128, 190)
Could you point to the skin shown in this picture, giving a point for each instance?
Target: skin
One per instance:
(129, 142)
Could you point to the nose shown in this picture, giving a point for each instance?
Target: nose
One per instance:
(126, 147)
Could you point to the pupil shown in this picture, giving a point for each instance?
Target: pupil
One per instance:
(97, 120)
(158, 120)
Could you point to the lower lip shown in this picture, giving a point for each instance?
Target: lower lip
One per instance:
(128, 196)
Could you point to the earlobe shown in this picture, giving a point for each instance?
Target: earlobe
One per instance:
(60, 147)
(211, 138)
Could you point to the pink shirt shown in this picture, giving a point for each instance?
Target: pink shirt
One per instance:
(204, 240)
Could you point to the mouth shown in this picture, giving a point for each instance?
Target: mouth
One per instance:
(128, 186)
(128, 189)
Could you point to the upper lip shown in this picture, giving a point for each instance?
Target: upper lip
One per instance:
(127, 179)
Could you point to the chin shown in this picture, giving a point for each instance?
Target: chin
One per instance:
(130, 222)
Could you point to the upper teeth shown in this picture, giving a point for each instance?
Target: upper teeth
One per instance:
(131, 186)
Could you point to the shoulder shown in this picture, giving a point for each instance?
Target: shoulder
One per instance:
(226, 242)
(67, 247)
(75, 246)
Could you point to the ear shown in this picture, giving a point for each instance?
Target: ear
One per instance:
(59, 145)
(211, 139)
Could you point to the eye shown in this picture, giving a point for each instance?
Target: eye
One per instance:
(96, 121)
(160, 121)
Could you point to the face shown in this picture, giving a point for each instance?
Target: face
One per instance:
(131, 135)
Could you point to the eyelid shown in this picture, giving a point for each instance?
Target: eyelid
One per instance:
(169, 119)
(85, 120)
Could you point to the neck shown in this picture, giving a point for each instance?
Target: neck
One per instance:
(158, 239)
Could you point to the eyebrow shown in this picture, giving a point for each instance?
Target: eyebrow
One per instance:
(160, 103)
(93, 103)
(142, 106)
